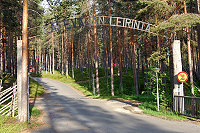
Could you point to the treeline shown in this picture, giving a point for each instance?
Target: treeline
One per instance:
(109, 47)
(10, 31)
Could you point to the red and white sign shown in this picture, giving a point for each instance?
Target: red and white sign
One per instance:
(182, 77)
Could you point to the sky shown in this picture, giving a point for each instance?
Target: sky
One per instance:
(44, 4)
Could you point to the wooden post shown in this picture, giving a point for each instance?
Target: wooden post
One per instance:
(0, 85)
(13, 102)
(19, 76)
(178, 87)
(24, 102)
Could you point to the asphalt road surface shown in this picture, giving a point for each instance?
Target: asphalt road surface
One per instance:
(68, 111)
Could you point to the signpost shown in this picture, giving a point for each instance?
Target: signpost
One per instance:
(156, 70)
(182, 77)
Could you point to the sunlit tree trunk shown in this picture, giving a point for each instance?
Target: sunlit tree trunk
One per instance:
(111, 55)
(72, 50)
(120, 59)
(66, 53)
(125, 50)
(189, 54)
(88, 53)
(62, 53)
(23, 113)
(50, 63)
(134, 66)
(198, 34)
(96, 51)
(4, 49)
(1, 45)
(9, 51)
(58, 56)
(53, 65)
(105, 51)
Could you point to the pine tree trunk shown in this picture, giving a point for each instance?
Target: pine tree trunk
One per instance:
(171, 63)
(142, 61)
(125, 51)
(66, 53)
(198, 33)
(35, 59)
(50, 63)
(136, 77)
(1, 47)
(111, 55)
(62, 54)
(88, 53)
(53, 65)
(120, 59)
(4, 49)
(58, 64)
(96, 52)
(138, 62)
(189, 54)
(9, 51)
(72, 50)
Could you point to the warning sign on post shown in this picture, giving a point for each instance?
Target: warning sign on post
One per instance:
(182, 77)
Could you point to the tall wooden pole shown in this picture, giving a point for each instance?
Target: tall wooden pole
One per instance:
(24, 102)
(189, 53)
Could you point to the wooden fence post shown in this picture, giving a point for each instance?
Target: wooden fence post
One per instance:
(13, 100)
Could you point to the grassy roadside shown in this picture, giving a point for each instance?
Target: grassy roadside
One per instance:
(12, 125)
(148, 102)
(62, 78)
(35, 89)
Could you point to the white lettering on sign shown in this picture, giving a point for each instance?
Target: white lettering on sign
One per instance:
(101, 21)
(104, 20)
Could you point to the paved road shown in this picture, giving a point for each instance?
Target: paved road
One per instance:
(70, 112)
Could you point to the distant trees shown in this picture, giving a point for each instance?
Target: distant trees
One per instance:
(124, 49)
(96, 46)
(10, 30)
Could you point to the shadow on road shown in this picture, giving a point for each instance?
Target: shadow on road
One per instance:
(69, 112)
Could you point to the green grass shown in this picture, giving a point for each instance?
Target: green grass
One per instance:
(62, 78)
(34, 112)
(35, 89)
(12, 125)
